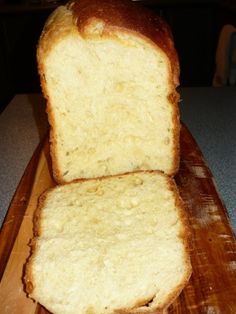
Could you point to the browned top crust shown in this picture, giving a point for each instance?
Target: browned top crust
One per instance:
(127, 16)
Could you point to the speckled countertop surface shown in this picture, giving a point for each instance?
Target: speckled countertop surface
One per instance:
(209, 113)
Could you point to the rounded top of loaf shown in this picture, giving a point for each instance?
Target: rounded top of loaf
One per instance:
(129, 17)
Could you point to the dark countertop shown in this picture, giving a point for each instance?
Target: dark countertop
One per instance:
(209, 113)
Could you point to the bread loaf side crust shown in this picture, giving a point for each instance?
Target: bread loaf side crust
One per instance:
(60, 18)
(28, 277)
(116, 16)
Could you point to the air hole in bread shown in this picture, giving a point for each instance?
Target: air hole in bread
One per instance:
(149, 303)
(146, 303)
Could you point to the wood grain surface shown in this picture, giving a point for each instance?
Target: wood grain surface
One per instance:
(212, 287)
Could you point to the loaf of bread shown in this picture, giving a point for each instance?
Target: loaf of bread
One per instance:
(116, 242)
(109, 71)
(111, 245)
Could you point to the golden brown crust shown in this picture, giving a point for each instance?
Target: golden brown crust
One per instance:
(37, 214)
(126, 16)
(28, 277)
(174, 99)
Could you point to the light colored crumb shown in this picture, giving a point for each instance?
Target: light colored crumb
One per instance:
(110, 244)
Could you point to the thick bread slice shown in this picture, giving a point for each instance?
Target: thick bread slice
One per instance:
(111, 245)
(109, 71)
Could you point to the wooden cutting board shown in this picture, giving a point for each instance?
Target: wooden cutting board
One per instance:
(212, 287)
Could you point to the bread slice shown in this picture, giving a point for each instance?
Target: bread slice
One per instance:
(109, 72)
(111, 245)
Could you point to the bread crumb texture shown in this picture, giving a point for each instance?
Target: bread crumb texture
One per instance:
(109, 245)
(112, 95)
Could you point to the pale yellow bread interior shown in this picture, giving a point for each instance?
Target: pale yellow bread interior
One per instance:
(110, 245)
(109, 101)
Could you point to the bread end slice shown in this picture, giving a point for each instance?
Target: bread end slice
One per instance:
(112, 245)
